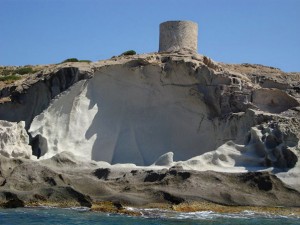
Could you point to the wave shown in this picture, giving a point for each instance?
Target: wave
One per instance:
(207, 215)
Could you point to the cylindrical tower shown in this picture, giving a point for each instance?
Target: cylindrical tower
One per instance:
(178, 35)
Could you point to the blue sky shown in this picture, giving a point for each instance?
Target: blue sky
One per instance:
(232, 31)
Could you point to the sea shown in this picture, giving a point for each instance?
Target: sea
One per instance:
(46, 215)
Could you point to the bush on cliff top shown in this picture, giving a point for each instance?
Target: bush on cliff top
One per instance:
(75, 60)
(24, 70)
(129, 52)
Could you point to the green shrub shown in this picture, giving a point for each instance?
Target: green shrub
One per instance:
(75, 60)
(10, 78)
(23, 70)
(70, 60)
(129, 52)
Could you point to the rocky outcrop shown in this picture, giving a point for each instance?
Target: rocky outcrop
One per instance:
(273, 144)
(31, 182)
(44, 182)
(273, 100)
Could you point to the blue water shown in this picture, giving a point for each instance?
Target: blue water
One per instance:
(54, 216)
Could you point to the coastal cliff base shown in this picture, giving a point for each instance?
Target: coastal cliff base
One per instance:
(65, 181)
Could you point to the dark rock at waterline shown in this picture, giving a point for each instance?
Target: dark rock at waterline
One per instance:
(13, 203)
(10, 200)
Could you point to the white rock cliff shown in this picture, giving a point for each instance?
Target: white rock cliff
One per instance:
(166, 121)
(135, 110)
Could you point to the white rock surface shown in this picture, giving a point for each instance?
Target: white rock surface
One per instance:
(63, 126)
(165, 160)
(14, 140)
(126, 115)
(267, 149)
(134, 111)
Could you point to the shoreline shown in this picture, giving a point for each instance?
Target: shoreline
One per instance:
(193, 207)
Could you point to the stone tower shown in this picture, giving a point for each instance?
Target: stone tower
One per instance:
(178, 35)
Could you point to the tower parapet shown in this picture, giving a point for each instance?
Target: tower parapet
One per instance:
(178, 35)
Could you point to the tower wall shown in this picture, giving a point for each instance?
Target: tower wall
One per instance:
(178, 35)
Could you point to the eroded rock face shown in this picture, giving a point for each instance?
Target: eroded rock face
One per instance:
(14, 140)
(273, 100)
(31, 97)
(280, 145)
(133, 114)
(135, 110)
(268, 145)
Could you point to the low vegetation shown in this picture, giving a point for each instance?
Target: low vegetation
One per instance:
(129, 52)
(6, 72)
(13, 70)
(24, 70)
(76, 60)
(9, 78)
